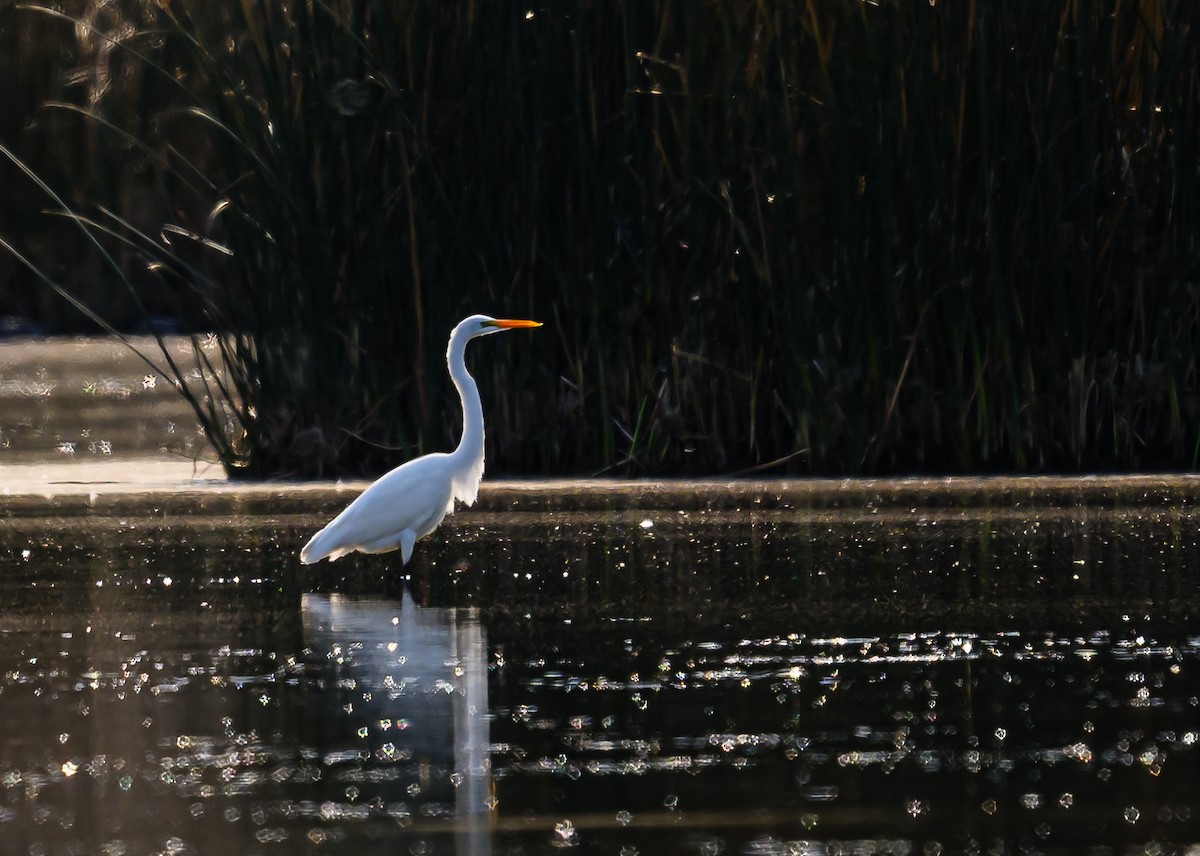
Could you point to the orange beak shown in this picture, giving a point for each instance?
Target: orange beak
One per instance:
(513, 324)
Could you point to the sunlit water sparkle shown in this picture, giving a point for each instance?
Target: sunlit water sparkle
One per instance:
(725, 682)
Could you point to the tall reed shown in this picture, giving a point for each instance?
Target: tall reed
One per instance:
(827, 237)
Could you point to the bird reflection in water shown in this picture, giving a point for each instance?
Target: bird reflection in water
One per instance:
(403, 710)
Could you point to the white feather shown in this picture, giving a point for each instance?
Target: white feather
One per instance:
(410, 501)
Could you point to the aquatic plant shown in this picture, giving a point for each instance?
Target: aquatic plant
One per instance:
(779, 237)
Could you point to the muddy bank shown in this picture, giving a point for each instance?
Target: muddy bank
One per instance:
(167, 486)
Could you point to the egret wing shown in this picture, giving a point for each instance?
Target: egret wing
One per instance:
(414, 496)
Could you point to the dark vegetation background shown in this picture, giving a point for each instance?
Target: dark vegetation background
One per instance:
(826, 237)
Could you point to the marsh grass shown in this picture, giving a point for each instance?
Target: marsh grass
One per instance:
(827, 237)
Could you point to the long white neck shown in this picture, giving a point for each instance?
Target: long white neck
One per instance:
(468, 457)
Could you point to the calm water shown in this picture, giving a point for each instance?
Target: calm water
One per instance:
(93, 399)
(880, 680)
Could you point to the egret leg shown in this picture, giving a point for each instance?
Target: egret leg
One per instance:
(407, 539)
(395, 584)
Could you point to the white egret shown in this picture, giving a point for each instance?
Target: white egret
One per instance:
(409, 502)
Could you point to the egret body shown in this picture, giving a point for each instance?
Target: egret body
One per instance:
(409, 502)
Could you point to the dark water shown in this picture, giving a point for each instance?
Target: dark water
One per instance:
(784, 681)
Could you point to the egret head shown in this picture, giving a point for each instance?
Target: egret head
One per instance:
(484, 325)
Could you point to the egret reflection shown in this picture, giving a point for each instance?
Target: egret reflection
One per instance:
(404, 707)
(796, 681)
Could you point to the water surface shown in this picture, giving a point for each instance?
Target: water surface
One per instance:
(736, 677)
(95, 400)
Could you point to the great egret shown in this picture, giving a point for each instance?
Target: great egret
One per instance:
(409, 502)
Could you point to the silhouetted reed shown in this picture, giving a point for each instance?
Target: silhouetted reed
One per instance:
(831, 237)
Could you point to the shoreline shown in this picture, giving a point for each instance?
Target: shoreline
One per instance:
(169, 486)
